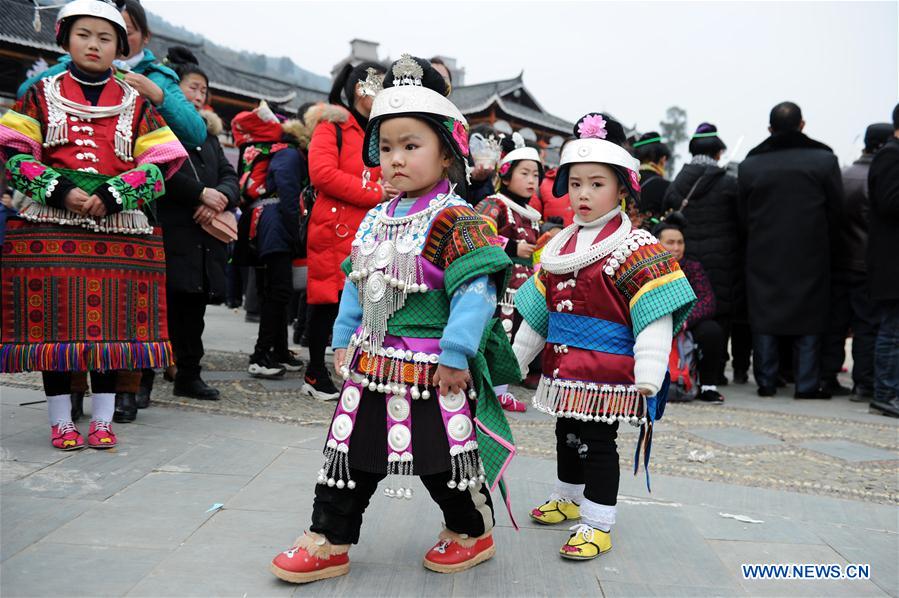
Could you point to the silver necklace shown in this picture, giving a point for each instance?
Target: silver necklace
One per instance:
(60, 108)
(558, 263)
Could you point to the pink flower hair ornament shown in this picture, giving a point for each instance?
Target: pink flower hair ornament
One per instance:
(592, 127)
(635, 180)
(505, 168)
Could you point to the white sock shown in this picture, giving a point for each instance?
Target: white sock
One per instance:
(706, 387)
(572, 492)
(501, 389)
(102, 406)
(59, 408)
(602, 517)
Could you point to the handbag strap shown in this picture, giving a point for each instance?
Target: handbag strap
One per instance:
(686, 200)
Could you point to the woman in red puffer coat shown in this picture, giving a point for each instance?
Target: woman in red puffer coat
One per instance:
(344, 197)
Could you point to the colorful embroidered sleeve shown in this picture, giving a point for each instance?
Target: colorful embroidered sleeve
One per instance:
(40, 182)
(463, 245)
(20, 128)
(530, 301)
(155, 143)
(654, 285)
(491, 210)
(132, 190)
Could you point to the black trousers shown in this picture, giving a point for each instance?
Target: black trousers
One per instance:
(586, 453)
(740, 336)
(320, 322)
(851, 308)
(708, 335)
(274, 284)
(337, 514)
(60, 383)
(186, 323)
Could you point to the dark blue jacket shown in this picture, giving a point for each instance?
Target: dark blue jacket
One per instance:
(278, 226)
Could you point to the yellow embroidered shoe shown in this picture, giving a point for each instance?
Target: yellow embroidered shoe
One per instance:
(556, 511)
(586, 543)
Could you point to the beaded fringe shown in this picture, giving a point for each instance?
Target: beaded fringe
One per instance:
(589, 401)
(127, 222)
(84, 356)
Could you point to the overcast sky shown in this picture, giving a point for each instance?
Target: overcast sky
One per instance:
(723, 62)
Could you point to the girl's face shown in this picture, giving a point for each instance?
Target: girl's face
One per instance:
(593, 190)
(194, 87)
(412, 157)
(136, 38)
(525, 178)
(93, 44)
(673, 240)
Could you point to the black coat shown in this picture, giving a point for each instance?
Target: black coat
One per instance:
(790, 198)
(195, 261)
(712, 234)
(652, 192)
(856, 211)
(883, 229)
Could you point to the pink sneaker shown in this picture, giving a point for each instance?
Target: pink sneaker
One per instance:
(66, 437)
(508, 402)
(101, 435)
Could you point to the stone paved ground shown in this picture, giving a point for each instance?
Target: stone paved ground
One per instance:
(821, 475)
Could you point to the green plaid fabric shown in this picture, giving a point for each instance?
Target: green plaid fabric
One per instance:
(347, 266)
(676, 298)
(424, 315)
(485, 260)
(86, 181)
(531, 304)
(493, 364)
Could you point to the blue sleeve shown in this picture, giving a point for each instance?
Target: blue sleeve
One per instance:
(284, 176)
(53, 70)
(349, 317)
(179, 114)
(471, 307)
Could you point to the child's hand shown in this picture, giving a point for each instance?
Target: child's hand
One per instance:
(450, 380)
(339, 359)
(645, 391)
(95, 207)
(75, 200)
(526, 250)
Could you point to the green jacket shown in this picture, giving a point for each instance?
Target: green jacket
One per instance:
(179, 114)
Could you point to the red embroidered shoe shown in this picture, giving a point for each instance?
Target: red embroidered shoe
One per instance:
(101, 435)
(454, 553)
(66, 437)
(311, 558)
(508, 402)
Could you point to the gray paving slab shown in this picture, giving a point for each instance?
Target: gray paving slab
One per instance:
(224, 455)
(198, 425)
(227, 570)
(879, 549)
(26, 520)
(82, 571)
(261, 529)
(616, 589)
(737, 437)
(288, 382)
(527, 563)
(734, 554)
(96, 474)
(180, 491)
(16, 470)
(711, 525)
(286, 485)
(849, 451)
(156, 526)
(377, 580)
(15, 419)
(31, 445)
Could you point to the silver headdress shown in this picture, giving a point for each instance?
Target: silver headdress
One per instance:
(373, 83)
(406, 71)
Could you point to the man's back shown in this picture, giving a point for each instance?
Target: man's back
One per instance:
(790, 198)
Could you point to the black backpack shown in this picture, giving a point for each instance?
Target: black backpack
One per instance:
(307, 201)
